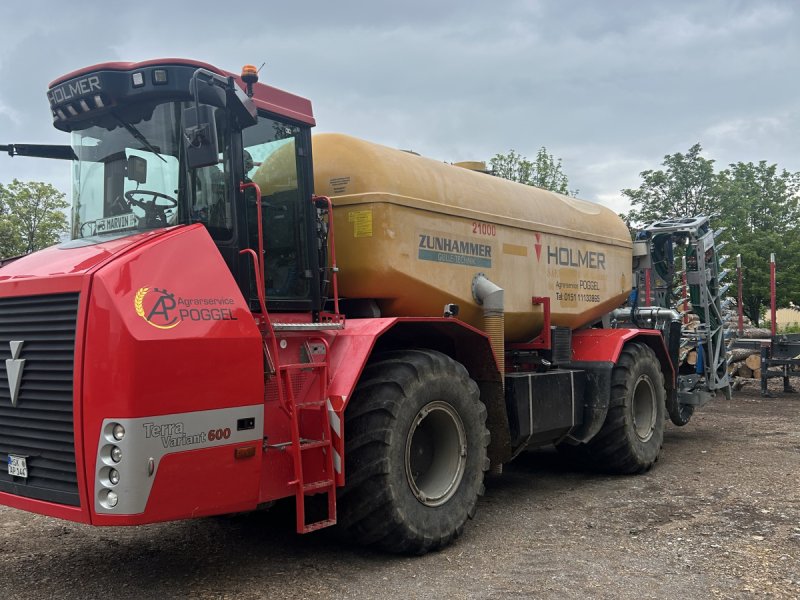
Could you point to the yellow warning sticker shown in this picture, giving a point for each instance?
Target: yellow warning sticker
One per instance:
(362, 222)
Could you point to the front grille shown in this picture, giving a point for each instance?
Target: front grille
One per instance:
(40, 426)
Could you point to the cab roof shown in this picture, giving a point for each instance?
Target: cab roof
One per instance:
(265, 96)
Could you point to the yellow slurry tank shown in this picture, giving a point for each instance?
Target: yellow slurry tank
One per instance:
(412, 233)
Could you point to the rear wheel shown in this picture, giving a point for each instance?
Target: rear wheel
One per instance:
(631, 437)
(416, 443)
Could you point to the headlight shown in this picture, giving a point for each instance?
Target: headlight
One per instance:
(116, 454)
(113, 476)
(112, 499)
(118, 432)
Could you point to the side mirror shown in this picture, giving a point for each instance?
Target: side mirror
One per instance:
(200, 136)
(136, 169)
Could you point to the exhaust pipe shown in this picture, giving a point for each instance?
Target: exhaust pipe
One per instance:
(490, 296)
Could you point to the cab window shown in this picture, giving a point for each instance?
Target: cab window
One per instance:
(271, 161)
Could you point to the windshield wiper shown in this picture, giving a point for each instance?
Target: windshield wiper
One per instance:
(138, 135)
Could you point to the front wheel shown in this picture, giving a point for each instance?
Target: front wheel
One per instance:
(631, 437)
(416, 442)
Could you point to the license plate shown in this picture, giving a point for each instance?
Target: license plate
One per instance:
(17, 466)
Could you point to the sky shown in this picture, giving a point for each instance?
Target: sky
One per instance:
(609, 87)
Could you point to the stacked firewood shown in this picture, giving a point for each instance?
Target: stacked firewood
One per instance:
(746, 362)
(742, 362)
(688, 354)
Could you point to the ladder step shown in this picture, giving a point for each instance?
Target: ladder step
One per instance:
(310, 444)
(302, 366)
(318, 525)
(312, 404)
(318, 485)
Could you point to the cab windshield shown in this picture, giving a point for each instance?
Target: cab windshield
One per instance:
(131, 177)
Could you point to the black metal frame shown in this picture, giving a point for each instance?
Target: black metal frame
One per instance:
(777, 358)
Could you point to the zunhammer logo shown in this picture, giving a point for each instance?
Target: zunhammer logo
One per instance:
(165, 310)
(454, 250)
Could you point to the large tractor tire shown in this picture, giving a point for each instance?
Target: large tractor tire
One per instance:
(415, 450)
(631, 437)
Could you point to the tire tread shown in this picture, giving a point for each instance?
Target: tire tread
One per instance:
(367, 512)
(610, 450)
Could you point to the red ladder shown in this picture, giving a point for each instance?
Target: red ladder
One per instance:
(311, 446)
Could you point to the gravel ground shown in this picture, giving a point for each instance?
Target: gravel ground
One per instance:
(718, 517)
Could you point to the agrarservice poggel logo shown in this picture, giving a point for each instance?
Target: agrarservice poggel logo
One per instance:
(164, 310)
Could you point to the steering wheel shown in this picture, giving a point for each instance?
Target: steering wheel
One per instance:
(129, 196)
(154, 213)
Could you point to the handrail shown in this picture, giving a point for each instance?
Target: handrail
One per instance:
(258, 266)
(259, 282)
(334, 268)
(242, 187)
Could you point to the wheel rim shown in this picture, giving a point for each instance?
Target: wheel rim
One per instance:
(436, 452)
(644, 407)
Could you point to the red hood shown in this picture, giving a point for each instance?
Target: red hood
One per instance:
(67, 262)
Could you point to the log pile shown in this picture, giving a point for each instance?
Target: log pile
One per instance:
(743, 363)
(746, 362)
(755, 333)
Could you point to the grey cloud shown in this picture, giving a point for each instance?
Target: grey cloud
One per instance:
(609, 86)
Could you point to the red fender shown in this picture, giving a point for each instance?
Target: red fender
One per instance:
(352, 347)
(605, 345)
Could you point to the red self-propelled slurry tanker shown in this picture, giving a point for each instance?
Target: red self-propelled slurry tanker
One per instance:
(203, 345)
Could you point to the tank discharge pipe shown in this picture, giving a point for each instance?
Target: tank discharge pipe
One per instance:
(490, 296)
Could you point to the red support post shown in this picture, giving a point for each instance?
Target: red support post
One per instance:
(542, 341)
(647, 296)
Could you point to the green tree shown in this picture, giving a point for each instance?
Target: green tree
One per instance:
(759, 208)
(545, 171)
(687, 186)
(9, 240)
(31, 217)
(755, 204)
